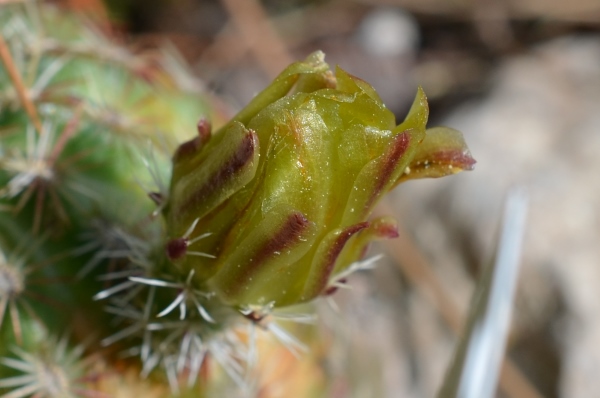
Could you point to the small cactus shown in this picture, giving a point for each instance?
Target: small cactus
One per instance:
(158, 258)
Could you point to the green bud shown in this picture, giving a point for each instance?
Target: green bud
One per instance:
(273, 205)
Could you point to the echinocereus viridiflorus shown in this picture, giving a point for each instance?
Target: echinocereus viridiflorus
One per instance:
(268, 211)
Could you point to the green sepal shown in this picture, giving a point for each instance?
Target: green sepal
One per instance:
(442, 152)
(356, 248)
(325, 259)
(263, 267)
(314, 64)
(223, 169)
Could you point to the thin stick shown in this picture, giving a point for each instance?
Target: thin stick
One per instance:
(253, 25)
(416, 268)
(14, 75)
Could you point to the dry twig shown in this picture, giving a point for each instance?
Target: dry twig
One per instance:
(414, 266)
(17, 81)
(255, 29)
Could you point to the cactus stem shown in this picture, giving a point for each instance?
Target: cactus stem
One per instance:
(52, 371)
(29, 166)
(46, 76)
(108, 242)
(35, 170)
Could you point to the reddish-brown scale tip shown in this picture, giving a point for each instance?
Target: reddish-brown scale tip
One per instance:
(176, 248)
(255, 317)
(156, 197)
(192, 146)
(187, 148)
(332, 289)
(387, 231)
(204, 129)
(460, 159)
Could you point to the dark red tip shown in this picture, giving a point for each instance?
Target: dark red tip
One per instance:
(204, 129)
(332, 289)
(192, 146)
(458, 158)
(255, 317)
(156, 197)
(386, 230)
(176, 248)
(186, 149)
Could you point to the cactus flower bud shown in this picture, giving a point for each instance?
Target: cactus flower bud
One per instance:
(274, 205)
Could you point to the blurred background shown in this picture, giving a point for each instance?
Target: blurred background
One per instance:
(521, 80)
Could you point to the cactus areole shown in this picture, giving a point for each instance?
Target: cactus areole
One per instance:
(274, 205)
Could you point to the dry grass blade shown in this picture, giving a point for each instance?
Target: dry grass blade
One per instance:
(475, 368)
(255, 29)
(415, 267)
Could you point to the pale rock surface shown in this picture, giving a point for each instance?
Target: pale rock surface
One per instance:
(538, 127)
